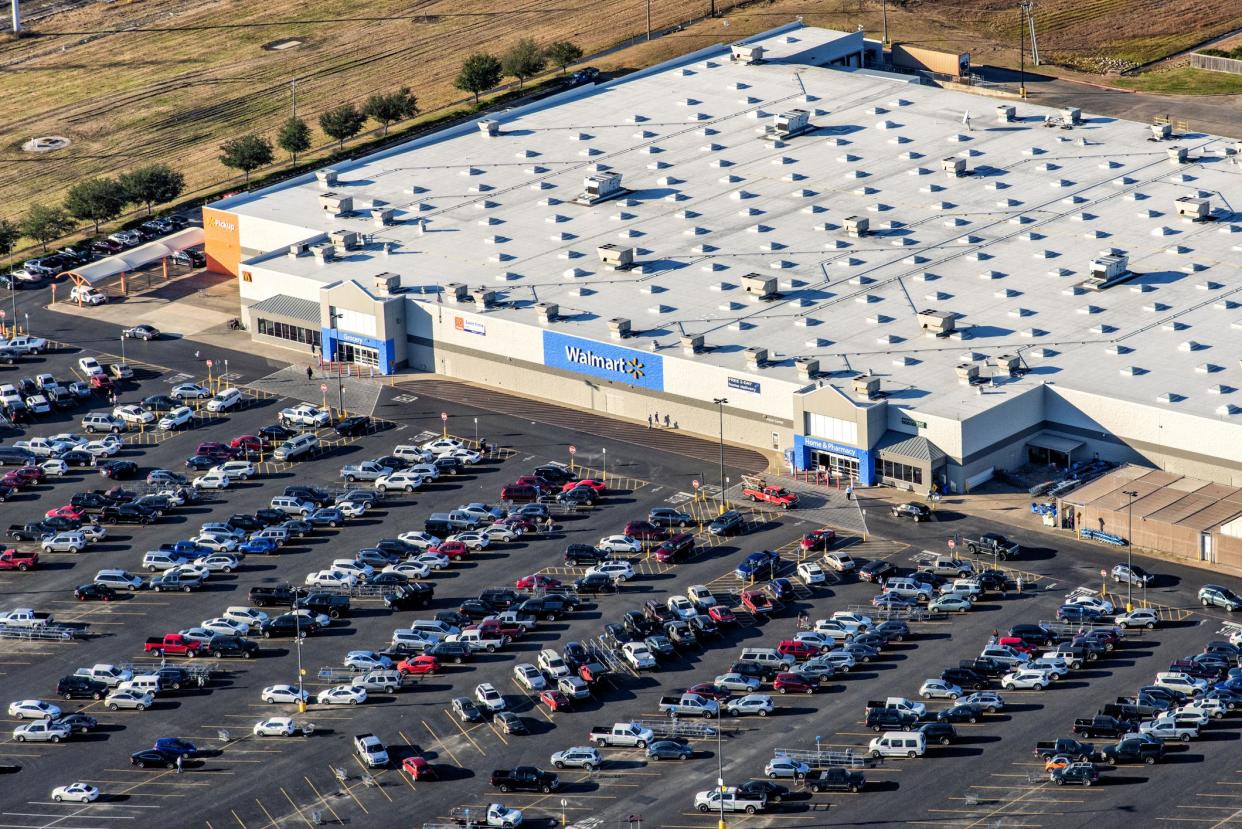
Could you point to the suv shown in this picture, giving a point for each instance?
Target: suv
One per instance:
(914, 511)
(577, 554)
(1213, 595)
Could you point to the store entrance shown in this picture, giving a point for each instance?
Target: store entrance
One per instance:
(360, 354)
(841, 466)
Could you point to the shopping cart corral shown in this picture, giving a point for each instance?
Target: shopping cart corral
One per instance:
(45, 633)
(824, 758)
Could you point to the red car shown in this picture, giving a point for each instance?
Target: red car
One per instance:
(537, 581)
(13, 560)
(452, 549)
(217, 451)
(530, 480)
(555, 700)
(709, 691)
(756, 601)
(250, 443)
(419, 665)
(418, 768)
(721, 615)
(495, 629)
(645, 531)
(101, 382)
(800, 651)
(818, 541)
(598, 486)
(33, 474)
(1019, 644)
(792, 683)
(520, 524)
(592, 672)
(67, 511)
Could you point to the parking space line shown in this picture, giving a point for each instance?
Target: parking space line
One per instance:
(236, 818)
(295, 806)
(464, 733)
(323, 800)
(441, 743)
(266, 812)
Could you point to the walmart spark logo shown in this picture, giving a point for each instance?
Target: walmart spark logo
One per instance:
(635, 368)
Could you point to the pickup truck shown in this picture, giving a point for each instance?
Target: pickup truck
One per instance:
(1101, 727)
(835, 779)
(278, 596)
(918, 709)
(188, 549)
(689, 705)
(24, 617)
(730, 800)
(44, 731)
(756, 489)
(1065, 745)
(525, 779)
(304, 416)
(17, 560)
(1172, 727)
(32, 531)
(993, 544)
(621, 734)
(1133, 750)
(42, 447)
(365, 471)
(109, 675)
(173, 644)
(371, 750)
(890, 719)
(986, 665)
(478, 640)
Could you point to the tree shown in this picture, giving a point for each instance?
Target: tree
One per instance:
(563, 54)
(294, 137)
(523, 60)
(9, 234)
(95, 200)
(342, 123)
(43, 223)
(390, 107)
(246, 153)
(479, 73)
(152, 184)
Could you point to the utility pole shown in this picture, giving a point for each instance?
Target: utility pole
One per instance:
(1029, 6)
(1022, 50)
(720, 404)
(1131, 494)
(884, 12)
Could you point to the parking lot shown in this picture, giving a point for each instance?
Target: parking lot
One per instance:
(987, 777)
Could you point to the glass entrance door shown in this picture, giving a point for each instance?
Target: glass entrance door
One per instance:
(843, 466)
(360, 354)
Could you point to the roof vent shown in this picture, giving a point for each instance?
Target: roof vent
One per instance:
(616, 257)
(857, 225)
(326, 178)
(298, 249)
(456, 291)
(787, 125)
(344, 240)
(807, 367)
(967, 372)
(756, 357)
(489, 127)
(953, 165)
(866, 385)
(600, 187)
(1005, 113)
(323, 253)
(547, 312)
(937, 323)
(1177, 155)
(1009, 363)
(1071, 115)
(334, 204)
(1196, 208)
(386, 283)
(1108, 270)
(619, 327)
(746, 53)
(691, 343)
(382, 216)
(759, 286)
(1161, 132)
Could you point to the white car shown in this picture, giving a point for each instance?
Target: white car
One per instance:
(939, 689)
(190, 391)
(701, 595)
(615, 570)
(529, 677)
(305, 415)
(811, 573)
(1095, 603)
(466, 456)
(133, 414)
(441, 445)
(1214, 708)
(638, 655)
(756, 704)
(620, 544)
(33, 709)
(242, 470)
(225, 627)
(216, 542)
(367, 661)
(135, 700)
(420, 539)
(217, 563)
(1177, 681)
(176, 418)
(54, 468)
(403, 480)
(1026, 678)
(738, 682)
(330, 578)
(105, 447)
(474, 539)
(436, 561)
(90, 366)
(784, 768)
(38, 404)
(1056, 667)
(839, 561)
(816, 639)
(249, 616)
(488, 697)
(836, 628)
(76, 793)
(357, 569)
(341, 695)
(284, 693)
(212, 480)
(409, 569)
(682, 607)
(352, 509)
(499, 532)
(275, 727)
(429, 471)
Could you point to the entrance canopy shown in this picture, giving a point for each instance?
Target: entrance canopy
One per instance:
(1055, 443)
(128, 261)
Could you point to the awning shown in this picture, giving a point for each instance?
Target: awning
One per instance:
(128, 261)
(1055, 443)
(909, 447)
(290, 307)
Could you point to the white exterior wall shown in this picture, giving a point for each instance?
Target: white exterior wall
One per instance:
(258, 234)
(945, 432)
(265, 283)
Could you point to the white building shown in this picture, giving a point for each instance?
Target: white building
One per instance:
(906, 284)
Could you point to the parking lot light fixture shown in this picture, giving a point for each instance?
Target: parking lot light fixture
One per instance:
(720, 404)
(122, 348)
(1131, 494)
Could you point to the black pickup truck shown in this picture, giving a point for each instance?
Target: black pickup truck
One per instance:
(1133, 750)
(835, 779)
(281, 595)
(1099, 726)
(986, 665)
(332, 605)
(890, 719)
(32, 531)
(525, 779)
(1064, 745)
(993, 544)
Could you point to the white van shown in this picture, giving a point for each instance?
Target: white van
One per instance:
(899, 744)
(295, 447)
(224, 400)
(143, 684)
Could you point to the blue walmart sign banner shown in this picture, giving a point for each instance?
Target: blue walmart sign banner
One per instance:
(608, 362)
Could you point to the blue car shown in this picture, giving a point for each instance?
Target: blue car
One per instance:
(781, 589)
(326, 517)
(200, 462)
(175, 745)
(1077, 613)
(756, 564)
(258, 546)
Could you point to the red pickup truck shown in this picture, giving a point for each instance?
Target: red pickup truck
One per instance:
(16, 560)
(756, 489)
(172, 644)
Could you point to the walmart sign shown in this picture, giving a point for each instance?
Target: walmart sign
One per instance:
(608, 362)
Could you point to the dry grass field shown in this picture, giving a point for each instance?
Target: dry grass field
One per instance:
(143, 80)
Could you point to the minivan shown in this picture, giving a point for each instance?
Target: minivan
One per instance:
(225, 400)
(768, 657)
(899, 744)
(15, 456)
(295, 447)
(519, 494)
(118, 580)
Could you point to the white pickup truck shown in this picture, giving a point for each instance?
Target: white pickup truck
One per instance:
(365, 471)
(24, 617)
(371, 750)
(305, 415)
(43, 731)
(622, 734)
(43, 447)
(109, 675)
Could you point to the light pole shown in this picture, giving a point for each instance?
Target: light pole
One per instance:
(720, 404)
(564, 803)
(1131, 494)
(122, 348)
(476, 431)
(720, 785)
(604, 452)
(336, 346)
(297, 629)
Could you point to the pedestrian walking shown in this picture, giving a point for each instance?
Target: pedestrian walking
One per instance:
(648, 421)
(195, 355)
(310, 374)
(1018, 582)
(657, 418)
(667, 420)
(178, 764)
(849, 493)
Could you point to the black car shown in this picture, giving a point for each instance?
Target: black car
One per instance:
(871, 640)
(397, 547)
(270, 517)
(388, 580)
(501, 598)
(289, 624)
(159, 403)
(962, 712)
(126, 514)
(332, 605)
(638, 624)
(754, 788)
(681, 635)
(353, 426)
(993, 580)
(452, 618)
(661, 646)
(669, 750)
(1033, 634)
(703, 626)
(876, 570)
(575, 654)
(150, 758)
(245, 523)
(914, 511)
(448, 465)
(476, 608)
(465, 709)
(455, 652)
(81, 723)
(548, 607)
(594, 584)
(316, 496)
(729, 523)
(511, 723)
(746, 667)
(580, 554)
(415, 595)
(81, 687)
(94, 593)
(835, 779)
(938, 732)
(392, 462)
(222, 646)
(77, 458)
(275, 433)
(189, 257)
(200, 462)
(555, 473)
(965, 678)
(296, 527)
(615, 636)
(579, 495)
(118, 470)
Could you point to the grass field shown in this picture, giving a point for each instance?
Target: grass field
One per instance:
(1184, 81)
(143, 80)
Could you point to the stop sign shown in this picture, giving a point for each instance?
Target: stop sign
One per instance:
(695, 483)
(209, 364)
(573, 450)
(323, 386)
(444, 416)
(1103, 574)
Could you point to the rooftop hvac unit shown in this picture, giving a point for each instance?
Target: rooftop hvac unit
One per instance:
(807, 367)
(323, 253)
(788, 124)
(326, 178)
(967, 372)
(691, 343)
(1193, 206)
(386, 283)
(953, 165)
(298, 249)
(488, 127)
(857, 225)
(1177, 154)
(483, 297)
(456, 291)
(382, 216)
(344, 240)
(616, 257)
(746, 53)
(1109, 266)
(759, 286)
(600, 187)
(1071, 115)
(619, 327)
(1161, 132)
(938, 323)
(866, 385)
(547, 312)
(1006, 113)
(335, 204)
(1008, 363)
(756, 357)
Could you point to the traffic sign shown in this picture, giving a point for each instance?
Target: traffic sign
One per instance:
(573, 450)
(323, 386)
(695, 483)
(952, 543)
(1103, 573)
(209, 364)
(444, 416)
